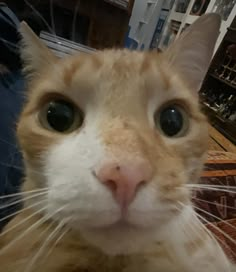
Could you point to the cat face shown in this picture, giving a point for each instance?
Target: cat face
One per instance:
(114, 136)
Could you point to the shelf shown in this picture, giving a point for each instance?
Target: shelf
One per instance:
(191, 19)
(223, 81)
(124, 5)
(213, 110)
(226, 127)
(177, 16)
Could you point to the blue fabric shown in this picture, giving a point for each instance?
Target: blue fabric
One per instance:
(11, 100)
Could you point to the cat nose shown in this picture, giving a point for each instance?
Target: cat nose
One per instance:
(124, 180)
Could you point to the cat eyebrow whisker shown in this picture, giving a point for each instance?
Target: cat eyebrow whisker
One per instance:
(51, 29)
(74, 20)
(39, 15)
(52, 17)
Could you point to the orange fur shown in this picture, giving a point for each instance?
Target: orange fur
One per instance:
(124, 82)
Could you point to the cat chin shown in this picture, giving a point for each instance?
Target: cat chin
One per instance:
(120, 240)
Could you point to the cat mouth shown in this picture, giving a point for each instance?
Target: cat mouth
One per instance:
(120, 225)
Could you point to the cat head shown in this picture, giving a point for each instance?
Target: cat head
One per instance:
(114, 136)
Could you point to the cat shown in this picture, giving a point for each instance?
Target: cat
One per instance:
(110, 141)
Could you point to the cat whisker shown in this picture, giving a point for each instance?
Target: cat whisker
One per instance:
(20, 168)
(52, 17)
(21, 210)
(216, 228)
(10, 144)
(218, 186)
(9, 22)
(44, 246)
(20, 200)
(13, 166)
(211, 234)
(220, 231)
(10, 45)
(195, 228)
(31, 228)
(39, 15)
(23, 221)
(214, 216)
(214, 203)
(23, 193)
(211, 188)
(56, 243)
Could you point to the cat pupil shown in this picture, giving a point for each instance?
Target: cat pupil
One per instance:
(171, 121)
(60, 115)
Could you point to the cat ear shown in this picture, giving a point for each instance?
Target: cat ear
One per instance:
(34, 53)
(190, 55)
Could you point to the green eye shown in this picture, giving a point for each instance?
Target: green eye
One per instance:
(172, 121)
(61, 116)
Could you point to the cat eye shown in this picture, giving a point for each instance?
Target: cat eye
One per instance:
(172, 121)
(61, 116)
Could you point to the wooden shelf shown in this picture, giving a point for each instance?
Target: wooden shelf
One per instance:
(222, 125)
(221, 140)
(191, 19)
(223, 81)
(177, 16)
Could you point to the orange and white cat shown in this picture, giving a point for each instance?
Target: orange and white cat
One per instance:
(110, 141)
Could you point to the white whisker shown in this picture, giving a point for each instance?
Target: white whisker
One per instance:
(52, 17)
(214, 216)
(56, 243)
(32, 227)
(22, 222)
(214, 203)
(43, 247)
(8, 143)
(10, 45)
(40, 16)
(13, 166)
(21, 210)
(20, 200)
(212, 185)
(210, 188)
(212, 235)
(23, 193)
(216, 228)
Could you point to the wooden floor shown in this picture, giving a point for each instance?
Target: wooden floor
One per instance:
(218, 142)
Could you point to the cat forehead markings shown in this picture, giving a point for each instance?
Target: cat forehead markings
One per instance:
(116, 64)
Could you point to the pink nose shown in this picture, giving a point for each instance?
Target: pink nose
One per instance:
(124, 180)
